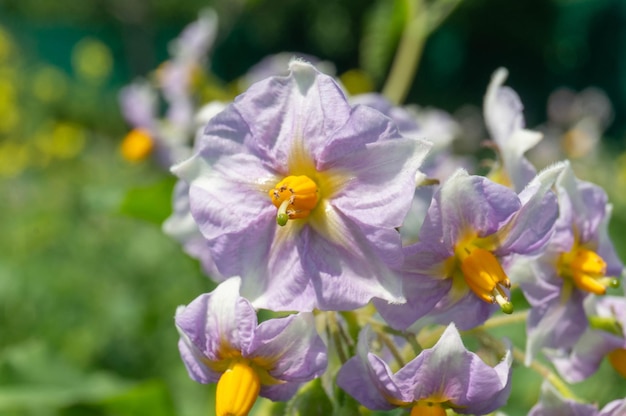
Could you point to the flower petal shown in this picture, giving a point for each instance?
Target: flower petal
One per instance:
(293, 347)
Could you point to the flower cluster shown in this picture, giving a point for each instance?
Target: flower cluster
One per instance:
(350, 218)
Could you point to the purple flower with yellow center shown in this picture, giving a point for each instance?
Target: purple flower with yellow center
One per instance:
(552, 403)
(221, 342)
(446, 376)
(168, 137)
(578, 260)
(605, 337)
(455, 272)
(300, 194)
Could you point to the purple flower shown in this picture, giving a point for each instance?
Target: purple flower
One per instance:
(552, 403)
(606, 336)
(300, 194)
(168, 137)
(221, 342)
(445, 376)
(505, 122)
(578, 260)
(455, 273)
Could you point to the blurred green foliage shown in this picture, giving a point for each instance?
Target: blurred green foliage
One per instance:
(89, 283)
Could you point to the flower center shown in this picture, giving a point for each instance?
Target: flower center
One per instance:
(586, 269)
(237, 389)
(137, 145)
(295, 197)
(484, 275)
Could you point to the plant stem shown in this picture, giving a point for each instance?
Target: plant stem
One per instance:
(422, 20)
(547, 374)
(407, 55)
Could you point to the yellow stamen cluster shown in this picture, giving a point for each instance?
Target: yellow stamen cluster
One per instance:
(237, 389)
(586, 269)
(137, 145)
(483, 273)
(295, 197)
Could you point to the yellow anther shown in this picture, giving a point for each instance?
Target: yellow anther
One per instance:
(427, 409)
(484, 275)
(137, 145)
(586, 269)
(295, 197)
(237, 389)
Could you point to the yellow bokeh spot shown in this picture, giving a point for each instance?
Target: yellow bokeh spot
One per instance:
(49, 84)
(92, 60)
(63, 140)
(14, 158)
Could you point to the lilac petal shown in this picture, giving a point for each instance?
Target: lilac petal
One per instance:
(281, 111)
(614, 408)
(339, 264)
(404, 119)
(219, 321)
(182, 227)
(230, 196)
(138, 102)
(381, 176)
(552, 403)
(531, 228)
(554, 324)
(588, 203)
(293, 347)
(466, 312)
(367, 378)
(502, 109)
(471, 203)
(194, 361)
(423, 282)
(585, 358)
(280, 392)
(449, 370)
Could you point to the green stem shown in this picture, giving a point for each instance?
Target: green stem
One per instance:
(547, 374)
(501, 320)
(407, 55)
(421, 22)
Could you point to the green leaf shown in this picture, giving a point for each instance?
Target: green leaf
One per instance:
(383, 28)
(150, 203)
(151, 397)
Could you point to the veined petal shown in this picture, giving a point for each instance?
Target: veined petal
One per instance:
(291, 109)
(368, 379)
(531, 228)
(335, 258)
(555, 325)
(380, 179)
(449, 372)
(551, 403)
(218, 322)
(292, 346)
(502, 109)
(472, 203)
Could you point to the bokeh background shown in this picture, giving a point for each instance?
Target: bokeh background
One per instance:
(88, 281)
